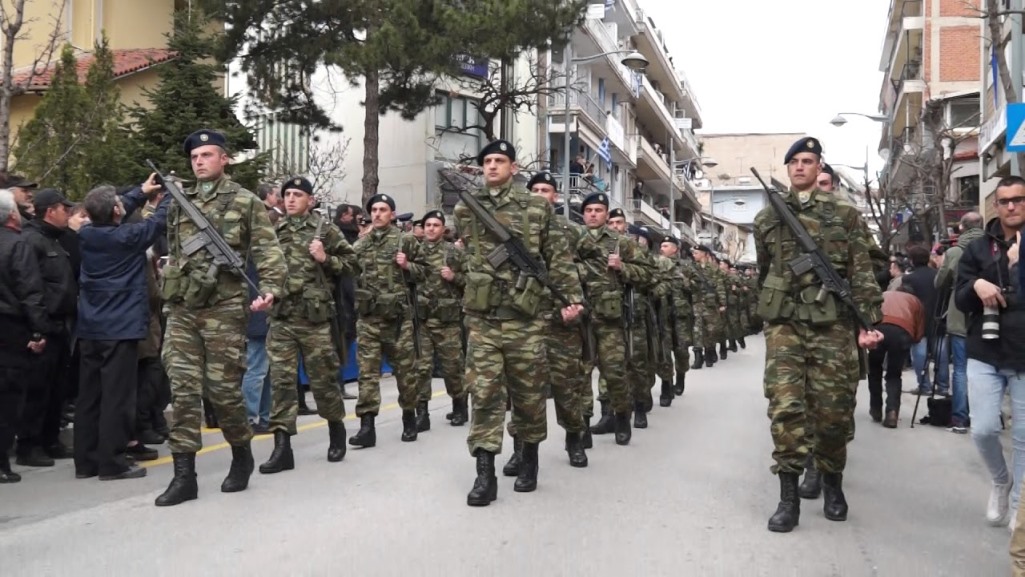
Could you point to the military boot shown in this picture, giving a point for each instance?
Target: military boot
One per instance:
(623, 433)
(281, 458)
(366, 437)
(304, 409)
(460, 412)
(723, 351)
(681, 384)
(485, 486)
(575, 448)
(640, 416)
(665, 398)
(6, 474)
(526, 481)
(587, 441)
(241, 469)
(710, 357)
(423, 417)
(788, 513)
(811, 486)
(699, 358)
(409, 431)
(733, 345)
(606, 424)
(512, 468)
(183, 485)
(336, 445)
(742, 344)
(834, 503)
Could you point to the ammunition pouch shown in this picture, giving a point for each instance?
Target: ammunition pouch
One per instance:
(318, 304)
(173, 285)
(774, 302)
(444, 310)
(810, 310)
(202, 288)
(609, 306)
(480, 294)
(388, 306)
(364, 302)
(528, 300)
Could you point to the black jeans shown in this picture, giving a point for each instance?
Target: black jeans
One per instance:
(105, 410)
(891, 353)
(153, 394)
(44, 395)
(12, 398)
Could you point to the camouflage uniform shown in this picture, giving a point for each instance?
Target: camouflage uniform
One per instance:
(646, 334)
(440, 304)
(301, 321)
(713, 296)
(204, 342)
(675, 298)
(506, 340)
(734, 303)
(384, 326)
(811, 361)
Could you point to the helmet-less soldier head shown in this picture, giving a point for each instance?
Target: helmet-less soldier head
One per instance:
(208, 153)
(498, 161)
(827, 180)
(298, 195)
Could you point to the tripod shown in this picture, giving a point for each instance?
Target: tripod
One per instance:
(936, 338)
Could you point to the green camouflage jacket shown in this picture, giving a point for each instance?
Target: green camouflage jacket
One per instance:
(304, 282)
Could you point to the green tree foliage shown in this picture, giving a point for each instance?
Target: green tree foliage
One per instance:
(74, 141)
(397, 49)
(186, 100)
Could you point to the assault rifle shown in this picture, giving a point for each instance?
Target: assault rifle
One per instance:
(337, 337)
(813, 258)
(414, 306)
(512, 249)
(207, 238)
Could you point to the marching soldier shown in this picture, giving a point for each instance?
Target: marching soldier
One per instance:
(388, 261)
(204, 346)
(733, 305)
(440, 296)
(713, 300)
(811, 343)
(564, 344)
(625, 266)
(679, 318)
(304, 322)
(507, 350)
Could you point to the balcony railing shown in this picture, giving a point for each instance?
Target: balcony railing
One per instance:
(557, 103)
(660, 104)
(608, 43)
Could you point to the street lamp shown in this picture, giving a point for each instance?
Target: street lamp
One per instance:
(839, 119)
(705, 161)
(633, 60)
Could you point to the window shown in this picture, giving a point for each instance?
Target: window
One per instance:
(601, 91)
(453, 118)
(968, 189)
(963, 112)
(288, 144)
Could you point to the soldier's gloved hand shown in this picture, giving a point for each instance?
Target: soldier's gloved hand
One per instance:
(570, 313)
(317, 251)
(869, 339)
(447, 274)
(401, 260)
(615, 262)
(262, 304)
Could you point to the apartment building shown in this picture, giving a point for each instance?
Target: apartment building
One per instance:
(647, 118)
(137, 48)
(932, 70)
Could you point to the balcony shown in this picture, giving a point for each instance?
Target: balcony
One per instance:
(653, 111)
(604, 40)
(650, 43)
(904, 34)
(909, 90)
(644, 213)
(579, 103)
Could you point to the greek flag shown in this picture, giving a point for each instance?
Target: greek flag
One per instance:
(605, 151)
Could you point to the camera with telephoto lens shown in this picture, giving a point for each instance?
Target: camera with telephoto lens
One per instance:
(991, 317)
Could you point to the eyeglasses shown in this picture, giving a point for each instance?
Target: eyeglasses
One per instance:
(1016, 200)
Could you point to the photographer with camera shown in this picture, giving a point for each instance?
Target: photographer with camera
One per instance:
(987, 293)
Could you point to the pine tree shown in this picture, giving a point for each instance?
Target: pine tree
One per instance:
(108, 158)
(187, 100)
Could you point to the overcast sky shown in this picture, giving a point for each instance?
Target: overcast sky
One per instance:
(782, 66)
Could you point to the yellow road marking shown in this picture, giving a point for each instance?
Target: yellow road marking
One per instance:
(306, 427)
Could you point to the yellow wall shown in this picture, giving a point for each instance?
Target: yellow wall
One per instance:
(39, 23)
(137, 23)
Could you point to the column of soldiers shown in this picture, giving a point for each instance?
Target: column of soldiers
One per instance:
(627, 301)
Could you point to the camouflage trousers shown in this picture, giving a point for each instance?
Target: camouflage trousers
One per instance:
(612, 383)
(713, 325)
(286, 340)
(697, 335)
(676, 357)
(811, 393)
(564, 345)
(506, 360)
(445, 339)
(641, 367)
(204, 355)
(732, 324)
(374, 337)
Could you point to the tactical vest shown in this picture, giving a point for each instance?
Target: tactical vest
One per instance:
(380, 289)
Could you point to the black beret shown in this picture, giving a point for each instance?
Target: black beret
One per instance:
(635, 230)
(807, 144)
(298, 183)
(382, 198)
(404, 217)
(204, 137)
(828, 170)
(727, 261)
(503, 147)
(434, 214)
(617, 213)
(703, 248)
(671, 239)
(543, 177)
(597, 198)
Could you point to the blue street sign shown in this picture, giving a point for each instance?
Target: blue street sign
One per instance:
(1015, 128)
(476, 67)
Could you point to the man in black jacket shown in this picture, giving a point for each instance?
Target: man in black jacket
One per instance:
(922, 280)
(24, 320)
(987, 292)
(38, 443)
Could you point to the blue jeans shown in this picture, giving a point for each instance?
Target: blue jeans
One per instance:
(959, 399)
(256, 382)
(986, 387)
(941, 372)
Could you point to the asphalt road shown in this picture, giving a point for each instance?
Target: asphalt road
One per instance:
(690, 496)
